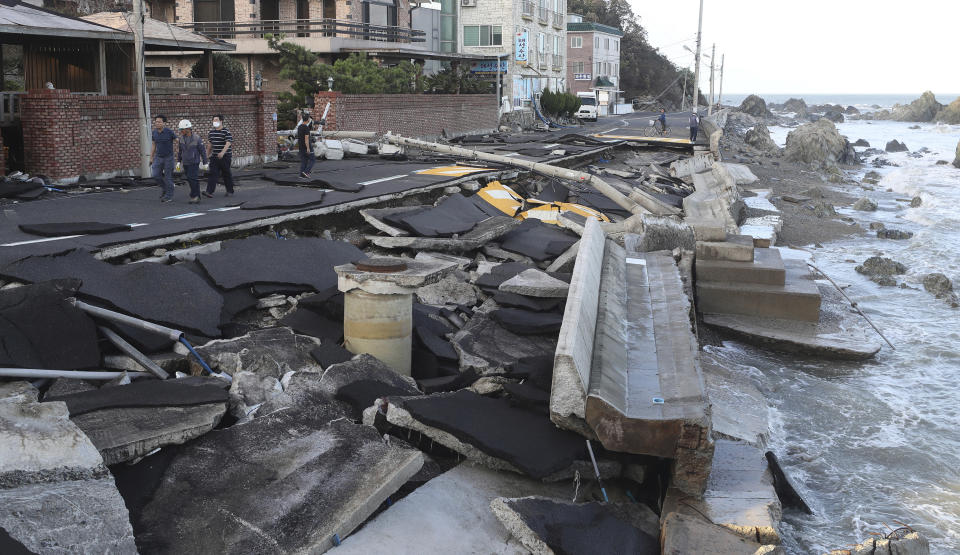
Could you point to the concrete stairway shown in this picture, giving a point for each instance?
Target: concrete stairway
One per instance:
(733, 277)
(626, 369)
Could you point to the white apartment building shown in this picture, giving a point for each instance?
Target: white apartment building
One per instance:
(531, 36)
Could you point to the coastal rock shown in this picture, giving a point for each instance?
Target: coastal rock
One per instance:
(819, 143)
(893, 234)
(896, 146)
(950, 113)
(865, 205)
(938, 284)
(881, 270)
(862, 142)
(759, 138)
(834, 116)
(902, 541)
(877, 226)
(916, 202)
(797, 106)
(824, 210)
(852, 111)
(956, 159)
(738, 124)
(922, 109)
(755, 106)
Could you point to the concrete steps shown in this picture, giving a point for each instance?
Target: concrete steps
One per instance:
(765, 285)
(627, 369)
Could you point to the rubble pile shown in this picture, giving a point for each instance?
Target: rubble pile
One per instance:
(511, 367)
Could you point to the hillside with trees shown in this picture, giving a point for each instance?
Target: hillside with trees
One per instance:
(644, 72)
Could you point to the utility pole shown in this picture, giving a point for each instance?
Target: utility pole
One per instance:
(720, 94)
(696, 73)
(683, 94)
(499, 101)
(143, 100)
(713, 54)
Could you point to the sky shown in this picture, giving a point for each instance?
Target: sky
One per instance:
(814, 46)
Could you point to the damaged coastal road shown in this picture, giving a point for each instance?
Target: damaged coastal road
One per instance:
(286, 425)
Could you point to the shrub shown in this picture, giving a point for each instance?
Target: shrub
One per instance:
(228, 74)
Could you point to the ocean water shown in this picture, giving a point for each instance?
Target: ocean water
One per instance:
(863, 102)
(875, 444)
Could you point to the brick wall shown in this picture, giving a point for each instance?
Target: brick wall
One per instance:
(414, 115)
(583, 54)
(98, 135)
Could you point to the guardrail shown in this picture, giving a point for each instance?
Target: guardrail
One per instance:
(305, 28)
(10, 106)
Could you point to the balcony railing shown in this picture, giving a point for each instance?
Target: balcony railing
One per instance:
(557, 62)
(527, 8)
(558, 20)
(10, 107)
(543, 14)
(305, 28)
(542, 60)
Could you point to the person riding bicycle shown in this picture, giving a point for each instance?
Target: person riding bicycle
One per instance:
(663, 120)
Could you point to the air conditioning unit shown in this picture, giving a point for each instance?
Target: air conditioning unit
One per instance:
(468, 3)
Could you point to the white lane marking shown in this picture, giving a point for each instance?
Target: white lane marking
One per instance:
(137, 225)
(625, 123)
(382, 179)
(608, 131)
(224, 209)
(17, 244)
(512, 154)
(184, 216)
(551, 146)
(640, 261)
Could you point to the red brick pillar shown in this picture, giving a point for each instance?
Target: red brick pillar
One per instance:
(333, 97)
(47, 116)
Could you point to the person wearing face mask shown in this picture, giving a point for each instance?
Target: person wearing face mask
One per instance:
(307, 158)
(220, 154)
(191, 153)
(161, 157)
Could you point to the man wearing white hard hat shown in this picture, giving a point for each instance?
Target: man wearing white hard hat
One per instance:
(192, 152)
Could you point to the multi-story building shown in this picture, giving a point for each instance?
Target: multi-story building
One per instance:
(330, 28)
(593, 51)
(530, 35)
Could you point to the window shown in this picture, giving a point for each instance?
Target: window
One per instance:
(578, 67)
(556, 44)
(606, 44)
(576, 42)
(596, 43)
(616, 45)
(597, 68)
(540, 42)
(482, 35)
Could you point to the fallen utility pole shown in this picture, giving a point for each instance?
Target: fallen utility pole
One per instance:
(74, 374)
(133, 353)
(635, 203)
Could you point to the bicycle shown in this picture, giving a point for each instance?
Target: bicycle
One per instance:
(654, 129)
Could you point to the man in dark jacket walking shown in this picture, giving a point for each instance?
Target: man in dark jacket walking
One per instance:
(191, 153)
(221, 154)
(305, 143)
(161, 157)
(694, 126)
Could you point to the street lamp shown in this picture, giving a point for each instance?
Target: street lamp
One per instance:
(330, 83)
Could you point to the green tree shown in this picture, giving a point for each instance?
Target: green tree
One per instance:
(305, 71)
(228, 74)
(457, 80)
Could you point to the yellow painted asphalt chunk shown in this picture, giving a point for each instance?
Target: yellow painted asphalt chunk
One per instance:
(453, 171)
(649, 139)
(502, 198)
(549, 213)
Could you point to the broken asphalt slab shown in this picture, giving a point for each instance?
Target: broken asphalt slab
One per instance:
(484, 232)
(537, 240)
(56, 495)
(505, 436)
(449, 514)
(295, 480)
(268, 352)
(169, 295)
(535, 283)
(454, 214)
(40, 329)
(486, 347)
(72, 228)
(552, 526)
(260, 259)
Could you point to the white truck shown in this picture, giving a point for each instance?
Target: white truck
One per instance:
(588, 106)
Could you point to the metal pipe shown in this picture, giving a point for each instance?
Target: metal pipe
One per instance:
(546, 169)
(173, 334)
(854, 305)
(75, 374)
(196, 355)
(132, 352)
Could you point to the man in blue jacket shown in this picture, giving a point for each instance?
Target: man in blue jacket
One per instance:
(161, 157)
(191, 153)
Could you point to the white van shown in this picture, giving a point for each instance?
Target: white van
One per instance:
(588, 106)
